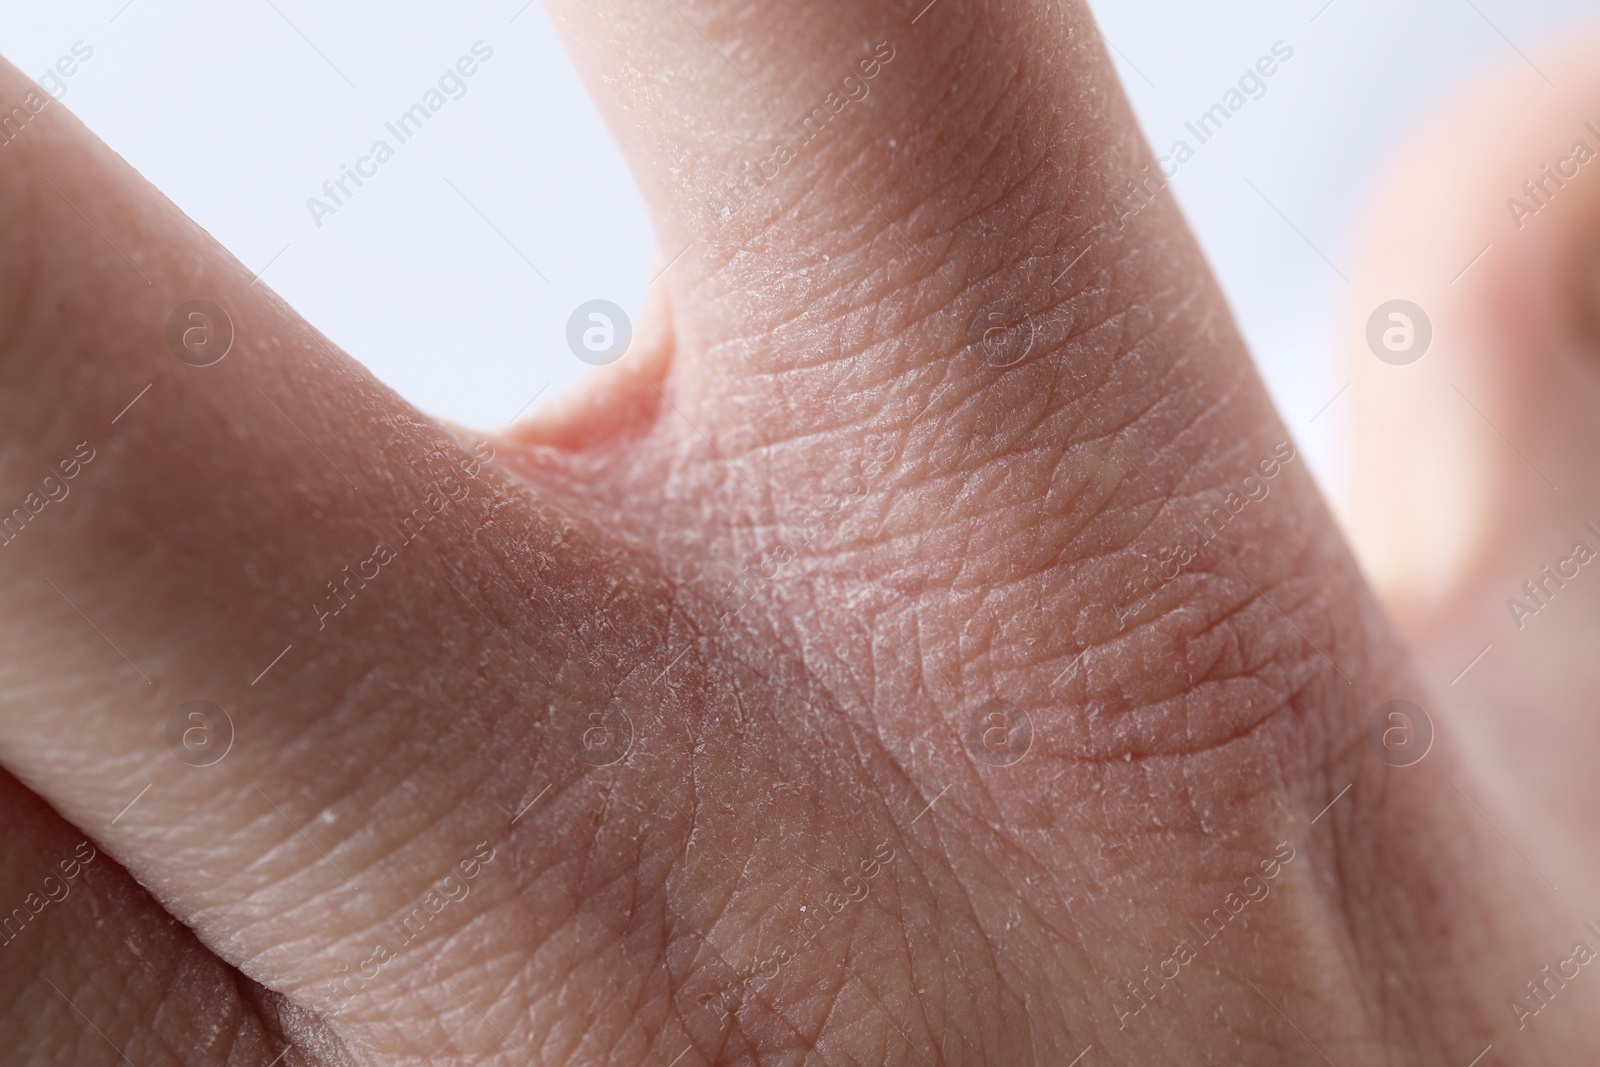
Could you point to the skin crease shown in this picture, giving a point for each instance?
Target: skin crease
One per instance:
(801, 538)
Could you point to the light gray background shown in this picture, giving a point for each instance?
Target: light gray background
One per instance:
(431, 275)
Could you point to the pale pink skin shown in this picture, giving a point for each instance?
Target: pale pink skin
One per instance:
(804, 535)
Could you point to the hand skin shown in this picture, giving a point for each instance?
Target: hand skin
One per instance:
(802, 536)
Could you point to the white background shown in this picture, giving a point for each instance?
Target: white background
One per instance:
(240, 110)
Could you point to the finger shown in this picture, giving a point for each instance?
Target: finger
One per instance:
(962, 156)
(1500, 267)
(1474, 482)
(178, 529)
(93, 971)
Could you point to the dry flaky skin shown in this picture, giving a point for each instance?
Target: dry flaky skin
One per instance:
(802, 537)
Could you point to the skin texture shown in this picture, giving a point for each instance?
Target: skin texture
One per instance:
(658, 736)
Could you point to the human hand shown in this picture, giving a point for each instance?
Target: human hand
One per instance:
(926, 646)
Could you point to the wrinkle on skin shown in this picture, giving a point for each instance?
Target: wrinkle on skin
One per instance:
(772, 748)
